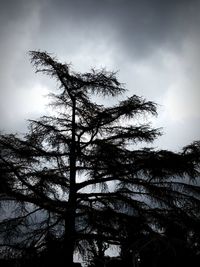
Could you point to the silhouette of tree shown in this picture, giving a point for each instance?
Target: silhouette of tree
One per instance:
(78, 175)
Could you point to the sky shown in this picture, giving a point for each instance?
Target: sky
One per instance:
(153, 44)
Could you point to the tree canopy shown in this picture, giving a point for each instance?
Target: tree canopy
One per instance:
(78, 176)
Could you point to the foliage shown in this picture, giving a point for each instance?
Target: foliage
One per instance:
(79, 175)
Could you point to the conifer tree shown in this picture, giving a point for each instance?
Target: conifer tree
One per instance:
(78, 176)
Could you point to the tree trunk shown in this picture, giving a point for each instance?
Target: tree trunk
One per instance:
(69, 237)
(69, 242)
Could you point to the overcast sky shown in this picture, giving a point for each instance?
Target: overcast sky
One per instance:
(154, 44)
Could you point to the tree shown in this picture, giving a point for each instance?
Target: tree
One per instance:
(77, 177)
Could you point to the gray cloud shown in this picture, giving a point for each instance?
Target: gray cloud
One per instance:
(154, 44)
(138, 27)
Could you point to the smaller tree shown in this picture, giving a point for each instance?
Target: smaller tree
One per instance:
(76, 175)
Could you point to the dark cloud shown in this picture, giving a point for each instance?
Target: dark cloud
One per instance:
(137, 27)
(154, 44)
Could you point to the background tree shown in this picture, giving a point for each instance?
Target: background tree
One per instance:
(79, 176)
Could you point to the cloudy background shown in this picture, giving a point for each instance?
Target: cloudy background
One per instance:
(154, 44)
